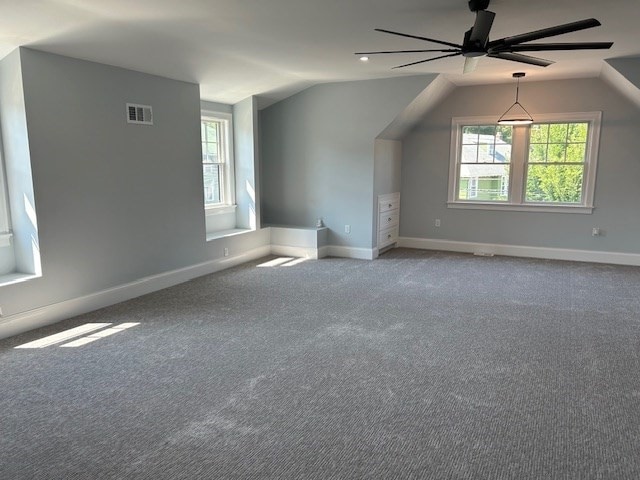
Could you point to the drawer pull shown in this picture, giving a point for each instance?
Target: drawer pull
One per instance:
(389, 219)
(390, 205)
(389, 236)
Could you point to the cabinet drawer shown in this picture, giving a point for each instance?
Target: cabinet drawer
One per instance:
(388, 202)
(387, 236)
(388, 219)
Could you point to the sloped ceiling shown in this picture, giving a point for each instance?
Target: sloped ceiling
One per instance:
(238, 48)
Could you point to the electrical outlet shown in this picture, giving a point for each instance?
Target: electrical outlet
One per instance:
(437, 222)
(347, 229)
(226, 252)
(595, 232)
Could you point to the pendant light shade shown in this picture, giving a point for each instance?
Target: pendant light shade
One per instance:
(516, 114)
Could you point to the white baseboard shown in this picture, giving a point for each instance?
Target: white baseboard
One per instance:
(22, 322)
(350, 252)
(616, 258)
(39, 317)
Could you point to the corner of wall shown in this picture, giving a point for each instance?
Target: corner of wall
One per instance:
(245, 133)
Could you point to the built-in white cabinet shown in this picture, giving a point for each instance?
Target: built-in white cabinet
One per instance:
(388, 219)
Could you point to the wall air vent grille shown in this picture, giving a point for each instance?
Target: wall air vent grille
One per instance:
(140, 114)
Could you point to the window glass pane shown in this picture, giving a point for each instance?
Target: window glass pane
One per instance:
(538, 152)
(539, 133)
(558, 133)
(578, 132)
(211, 150)
(504, 133)
(576, 152)
(484, 182)
(487, 135)
(212, 175)
(554, 183)
(486, 144)
(469, 154)
(470, 133)
(212, 131)
(501, 151)
(556, 152)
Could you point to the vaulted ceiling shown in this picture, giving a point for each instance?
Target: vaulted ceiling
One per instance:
(272, 48)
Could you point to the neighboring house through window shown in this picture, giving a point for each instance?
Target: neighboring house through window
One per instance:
(549, 165)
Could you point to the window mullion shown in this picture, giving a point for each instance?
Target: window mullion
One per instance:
(519, 149)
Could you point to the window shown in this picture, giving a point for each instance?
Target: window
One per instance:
(547, 166)
(217, 163)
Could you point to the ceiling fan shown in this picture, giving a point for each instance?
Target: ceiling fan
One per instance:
(476, 42)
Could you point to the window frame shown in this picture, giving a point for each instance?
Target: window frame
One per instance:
(519, 162)
(5, 213)
(228, 177)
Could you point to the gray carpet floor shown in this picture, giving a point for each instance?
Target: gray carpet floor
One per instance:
(419, 365)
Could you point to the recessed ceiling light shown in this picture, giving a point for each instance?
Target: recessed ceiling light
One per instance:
(364, 59)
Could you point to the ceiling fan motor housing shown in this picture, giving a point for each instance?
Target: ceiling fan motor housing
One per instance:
(476, 5)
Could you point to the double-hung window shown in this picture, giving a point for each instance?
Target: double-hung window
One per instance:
(217, 160)
(549, 165)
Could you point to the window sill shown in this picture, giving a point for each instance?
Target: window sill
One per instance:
(517, 207)
(227, 233)
(219, 210)
(12, 278)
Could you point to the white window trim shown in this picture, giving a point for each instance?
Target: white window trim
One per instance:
(520, 147)
(228, 191)
(5, 215)
(219, 209)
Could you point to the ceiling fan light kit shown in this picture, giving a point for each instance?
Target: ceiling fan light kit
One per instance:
(516, 114)
(476, 42)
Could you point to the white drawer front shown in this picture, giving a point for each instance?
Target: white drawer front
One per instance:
(387, 236)
(388, 219)
(388, 202)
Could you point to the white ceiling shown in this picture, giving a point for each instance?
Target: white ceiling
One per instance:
(273, 48)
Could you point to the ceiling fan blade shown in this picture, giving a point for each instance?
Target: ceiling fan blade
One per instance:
(516, 57)
(482, 27)
(418, 38)
(428, 60)
(546, 47)
(470, 64)
(408, 51)
(546, 32)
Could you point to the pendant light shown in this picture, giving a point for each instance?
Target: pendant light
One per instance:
(516, 114)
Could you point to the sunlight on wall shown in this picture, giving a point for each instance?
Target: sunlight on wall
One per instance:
(35, 247)
(30, 211)
(252, 207)
(35, 251)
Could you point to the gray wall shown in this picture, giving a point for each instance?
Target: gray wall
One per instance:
(115, 202)
(317, 151)
(425, 167)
